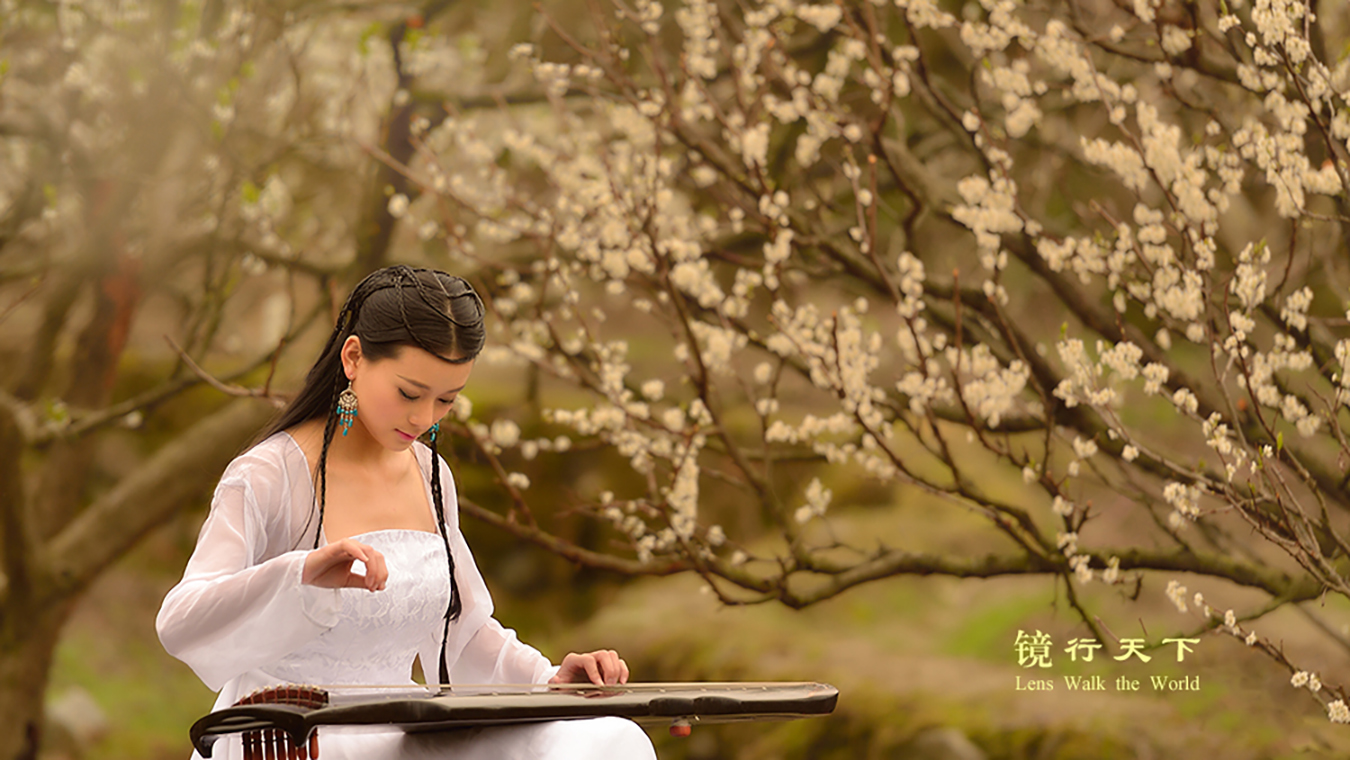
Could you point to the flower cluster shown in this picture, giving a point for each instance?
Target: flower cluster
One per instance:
(1087, 256)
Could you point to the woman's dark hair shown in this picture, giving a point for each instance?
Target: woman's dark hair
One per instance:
(391, 308)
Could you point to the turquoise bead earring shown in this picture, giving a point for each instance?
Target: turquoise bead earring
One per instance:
(346, 408)
(435, 430)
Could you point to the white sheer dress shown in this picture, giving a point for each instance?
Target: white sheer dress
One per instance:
(242, 620)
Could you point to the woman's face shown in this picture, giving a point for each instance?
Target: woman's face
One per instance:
(400, 398)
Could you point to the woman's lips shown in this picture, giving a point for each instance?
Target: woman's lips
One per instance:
(405, 436)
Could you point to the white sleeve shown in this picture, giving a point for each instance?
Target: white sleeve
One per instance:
(495, 655)
(480, 649)
(236, 610)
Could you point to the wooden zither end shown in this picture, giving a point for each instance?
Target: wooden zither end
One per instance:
(279, 744)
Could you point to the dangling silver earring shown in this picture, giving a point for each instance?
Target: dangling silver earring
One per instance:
(346, 408)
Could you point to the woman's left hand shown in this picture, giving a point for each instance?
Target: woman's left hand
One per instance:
(602, 667)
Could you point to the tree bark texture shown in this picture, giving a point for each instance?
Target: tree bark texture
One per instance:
(27, 641)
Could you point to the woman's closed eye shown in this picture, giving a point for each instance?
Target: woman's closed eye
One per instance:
(410, 397)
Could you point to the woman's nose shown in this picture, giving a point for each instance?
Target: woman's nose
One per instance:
(422, 415)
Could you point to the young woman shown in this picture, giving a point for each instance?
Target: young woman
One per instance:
(332, 553)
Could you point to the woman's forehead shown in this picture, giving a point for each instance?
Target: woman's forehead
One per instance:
(419, 367)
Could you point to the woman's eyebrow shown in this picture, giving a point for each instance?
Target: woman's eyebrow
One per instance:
(424, 386)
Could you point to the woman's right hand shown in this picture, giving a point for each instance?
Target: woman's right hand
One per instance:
(331, 566)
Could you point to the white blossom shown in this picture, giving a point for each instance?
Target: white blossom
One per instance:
(763, 373)
(1185, 499)
(1112, 572)
(1067, 543)
(1084, 448)
(505, 433)
(1295, 311)
(822, 17)
(1081, 569)
(1176, 593)
(1175, 40)
(652, 390)
(817, 501)
(1061, 506)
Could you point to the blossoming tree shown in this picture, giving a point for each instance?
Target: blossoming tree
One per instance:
(1097, 243)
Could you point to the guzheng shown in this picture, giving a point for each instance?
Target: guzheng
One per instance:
(284, 721)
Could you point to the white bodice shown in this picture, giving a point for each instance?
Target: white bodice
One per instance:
(377, 634)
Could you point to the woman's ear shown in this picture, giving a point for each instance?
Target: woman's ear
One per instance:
(351, 356)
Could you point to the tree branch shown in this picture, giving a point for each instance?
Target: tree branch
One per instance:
(146, 497)
(568, 550)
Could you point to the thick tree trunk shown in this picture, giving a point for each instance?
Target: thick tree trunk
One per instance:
(27, 640)
(42, 579)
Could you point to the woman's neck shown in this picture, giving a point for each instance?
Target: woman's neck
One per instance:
(355, 452)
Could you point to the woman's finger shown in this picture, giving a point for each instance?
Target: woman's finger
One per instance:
(356, 550)
(608, 660)
(593, 669)
(377, 572)
(581, 668)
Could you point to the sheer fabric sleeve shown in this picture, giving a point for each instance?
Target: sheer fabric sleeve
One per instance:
(240, 604)
(495, 655)
(479, 650)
